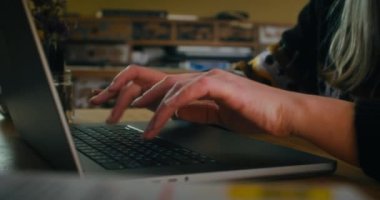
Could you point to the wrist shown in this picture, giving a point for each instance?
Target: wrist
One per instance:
(328, 123)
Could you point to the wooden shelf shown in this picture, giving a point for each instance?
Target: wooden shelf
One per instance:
(147, 31)
(115, 38)
(189, 43)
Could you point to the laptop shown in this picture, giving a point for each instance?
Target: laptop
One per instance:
(182, 152)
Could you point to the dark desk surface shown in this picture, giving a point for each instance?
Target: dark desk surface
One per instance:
(15, 155)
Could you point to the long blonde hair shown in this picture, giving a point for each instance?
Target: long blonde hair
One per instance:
(355, 44)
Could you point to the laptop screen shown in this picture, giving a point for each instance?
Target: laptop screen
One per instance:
(28, 90)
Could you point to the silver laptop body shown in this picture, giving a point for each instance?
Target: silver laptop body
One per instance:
(27, 88)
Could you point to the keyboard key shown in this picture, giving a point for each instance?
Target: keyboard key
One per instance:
(120, 147)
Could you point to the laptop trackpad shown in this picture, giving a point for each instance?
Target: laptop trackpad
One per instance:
(231, 149)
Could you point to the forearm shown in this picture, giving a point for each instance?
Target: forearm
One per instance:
(328, 123)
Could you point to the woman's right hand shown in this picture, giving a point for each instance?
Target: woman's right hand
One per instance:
(129, 84)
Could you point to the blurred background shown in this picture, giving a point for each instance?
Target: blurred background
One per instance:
(279, 11)
(170, 35)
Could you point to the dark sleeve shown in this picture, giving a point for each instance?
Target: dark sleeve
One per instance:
(367, 118)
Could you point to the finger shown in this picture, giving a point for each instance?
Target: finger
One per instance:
(161, 116)
(126, 96)
(119, 81)
(135, 73)
(102, 97)
(93, 93)
(160, 89)
(155, 93)
(152, 97)
(180, 95)
(130, 73)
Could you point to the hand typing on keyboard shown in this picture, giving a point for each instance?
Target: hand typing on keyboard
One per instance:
(213, 97)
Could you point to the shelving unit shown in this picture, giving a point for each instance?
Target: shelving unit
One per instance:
(217, 32)
(124, 34)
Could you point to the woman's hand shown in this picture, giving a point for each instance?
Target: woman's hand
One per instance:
(129, 84)
(217, 97)
(125, 87)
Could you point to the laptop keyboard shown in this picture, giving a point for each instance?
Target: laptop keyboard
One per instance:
(121, 147)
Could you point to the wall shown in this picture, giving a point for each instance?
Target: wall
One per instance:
(277, 11)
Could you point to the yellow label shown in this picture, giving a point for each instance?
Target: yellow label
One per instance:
(242, 192)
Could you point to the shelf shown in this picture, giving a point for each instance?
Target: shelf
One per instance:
(189, 43)
(145, 31)
(110, 41)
